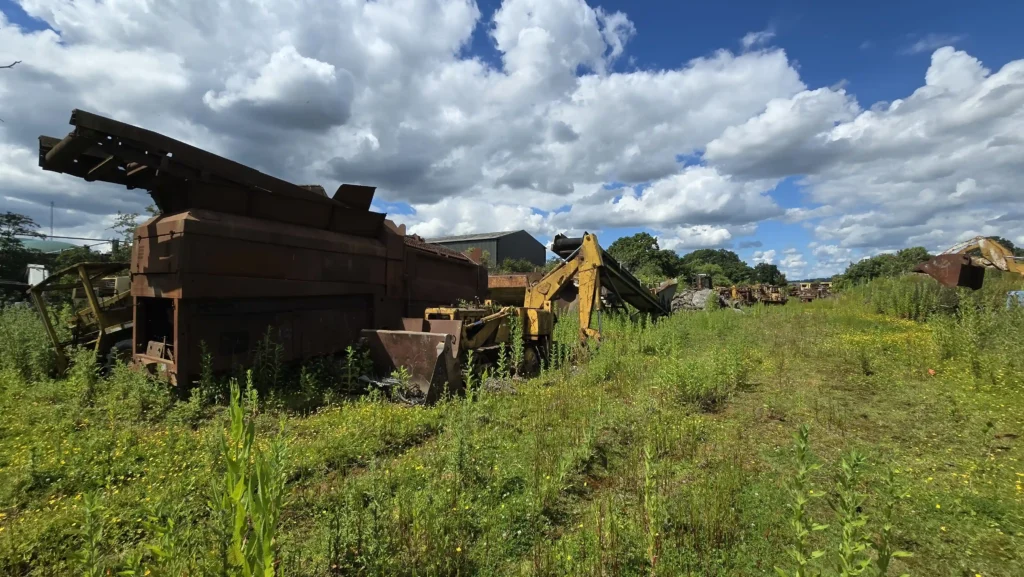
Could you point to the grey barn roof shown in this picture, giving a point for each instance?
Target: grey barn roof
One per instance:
(472, 237)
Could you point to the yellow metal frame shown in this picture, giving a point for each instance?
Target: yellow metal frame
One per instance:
(996, 254)
(585, 264)
(96, 313)
(494, 327)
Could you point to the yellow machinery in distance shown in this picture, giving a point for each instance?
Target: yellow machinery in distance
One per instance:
(587, 270)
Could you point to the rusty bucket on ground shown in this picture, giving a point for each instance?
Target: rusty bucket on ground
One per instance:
(953, 270)
(430, 359)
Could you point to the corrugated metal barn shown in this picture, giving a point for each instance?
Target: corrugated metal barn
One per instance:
(500, 246)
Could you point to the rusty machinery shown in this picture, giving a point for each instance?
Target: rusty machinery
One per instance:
(955, 267)
(235, 251)
(588, 278)
(104, 324)
(809, 291)
(769, 294)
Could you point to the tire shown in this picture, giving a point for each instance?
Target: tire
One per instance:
(120, 351)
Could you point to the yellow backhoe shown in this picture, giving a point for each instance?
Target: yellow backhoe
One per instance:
(956, 267)
(432, 349)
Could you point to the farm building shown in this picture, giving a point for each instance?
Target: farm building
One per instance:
(499, 246)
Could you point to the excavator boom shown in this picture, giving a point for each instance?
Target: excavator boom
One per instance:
(955, 267)
(596, 271)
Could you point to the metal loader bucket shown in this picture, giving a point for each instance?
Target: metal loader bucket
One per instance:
(953, 270)
(429, 358)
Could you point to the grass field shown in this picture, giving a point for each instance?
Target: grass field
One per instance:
(668, 451)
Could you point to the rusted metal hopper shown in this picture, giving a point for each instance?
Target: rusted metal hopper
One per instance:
(953, 270)
(430, 359)
(235, 252)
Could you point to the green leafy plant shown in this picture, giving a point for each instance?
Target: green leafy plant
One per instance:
(250, 496)
(801, 492)
(848, 504)
(885, 549)
(515, 335)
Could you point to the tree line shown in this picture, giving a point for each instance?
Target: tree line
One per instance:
(15, 256)
(642, 256)
(899, 263)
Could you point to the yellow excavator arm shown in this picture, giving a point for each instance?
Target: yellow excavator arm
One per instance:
(597, 272)
(993, 254)
(955, 267)
(583, 263)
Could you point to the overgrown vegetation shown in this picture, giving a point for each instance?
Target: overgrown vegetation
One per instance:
(641, 254)
(893, 265)
(666, 451)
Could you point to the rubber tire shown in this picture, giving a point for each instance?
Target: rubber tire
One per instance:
(121, 350)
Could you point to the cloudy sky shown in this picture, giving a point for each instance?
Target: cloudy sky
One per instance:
(805, 134)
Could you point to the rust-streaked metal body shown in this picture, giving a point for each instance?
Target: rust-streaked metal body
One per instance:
(955, 267)
(429, 359)
(235, 251)
(954, 270)
(104, 321)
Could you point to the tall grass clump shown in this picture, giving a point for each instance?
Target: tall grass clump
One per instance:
(910, 297)
(24, 346)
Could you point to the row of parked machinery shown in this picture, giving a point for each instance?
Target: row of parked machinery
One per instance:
(234, 251)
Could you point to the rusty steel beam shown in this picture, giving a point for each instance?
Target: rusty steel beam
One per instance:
(200, 160)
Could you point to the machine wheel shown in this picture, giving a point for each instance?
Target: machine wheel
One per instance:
(120, 351)
(531, 360)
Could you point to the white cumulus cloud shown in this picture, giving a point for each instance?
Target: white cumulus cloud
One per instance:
(552, 134)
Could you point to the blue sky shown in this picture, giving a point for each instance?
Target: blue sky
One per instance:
(878, 50)
(208, 67)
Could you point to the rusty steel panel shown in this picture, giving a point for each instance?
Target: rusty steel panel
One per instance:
(448, 327)
(520, 280)
(953, 270)
(355, 196)
(429, 358)
(232, 328)
(236, 250)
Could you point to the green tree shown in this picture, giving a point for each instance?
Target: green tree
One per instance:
(124, 226)
(14, 257)
(634, 251)
(513, 265)
(884, 265)
(765, 273)
(732, 267)
(551, 264)
(715, 271)
(642, 256)
(79, 254)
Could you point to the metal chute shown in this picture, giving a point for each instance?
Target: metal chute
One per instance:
(430, 359)
(953, 270)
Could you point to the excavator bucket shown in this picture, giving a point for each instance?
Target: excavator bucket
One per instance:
(953, 270)
(429, 358)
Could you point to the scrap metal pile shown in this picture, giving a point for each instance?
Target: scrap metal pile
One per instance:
(235, 251)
